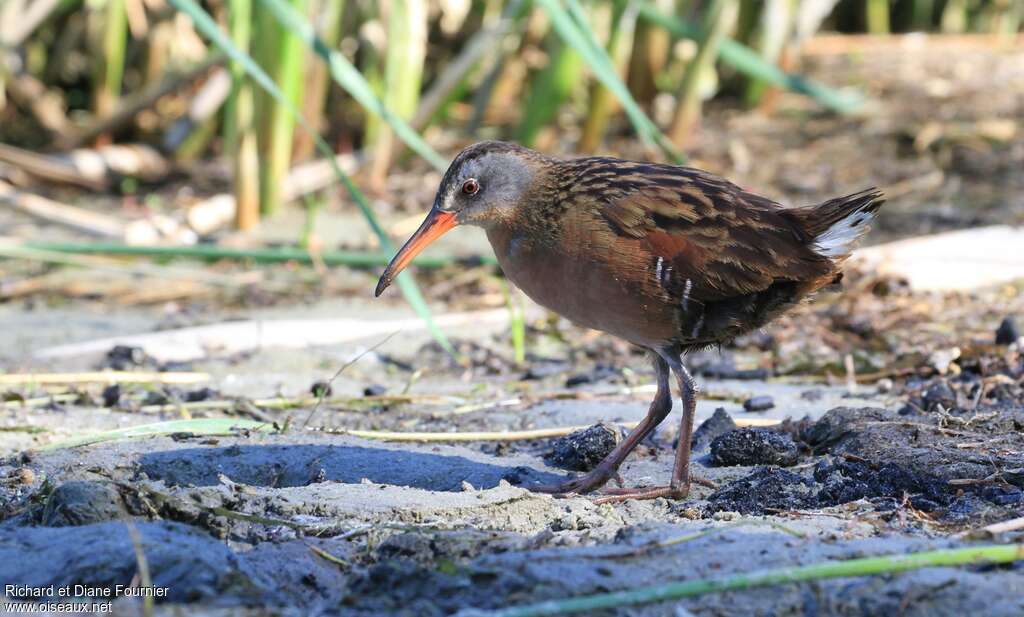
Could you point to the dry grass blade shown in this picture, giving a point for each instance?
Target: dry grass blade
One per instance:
(540, 433)
(203, 426)
(103, 377)
(325, 390)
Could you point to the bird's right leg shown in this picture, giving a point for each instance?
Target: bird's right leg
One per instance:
(599, 476)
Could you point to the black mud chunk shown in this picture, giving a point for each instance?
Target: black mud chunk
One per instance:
(320, 388)
(728, 370)
(124, 357)
(759, 403)
(767, 490)
(374, 390)
(841, 423)
(200, 394)
(753, 446)
(844, 480)
(542, 369)
(158, 397)
(192, 566)
(456, 545)
(1007, 332)
(111, 395)
(1002, 495)
(939, 394)
(600, 372)
(718, 424)
(80, 502)
(584, 449)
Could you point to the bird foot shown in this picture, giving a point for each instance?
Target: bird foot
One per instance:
(597, 478)
(614, 495)
(576, 486)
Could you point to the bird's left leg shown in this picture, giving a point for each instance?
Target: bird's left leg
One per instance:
(658, 411)
(679, 486)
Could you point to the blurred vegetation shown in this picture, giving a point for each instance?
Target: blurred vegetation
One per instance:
(378, 77)
(266, 86)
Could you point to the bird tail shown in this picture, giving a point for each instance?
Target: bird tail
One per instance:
(839, 223)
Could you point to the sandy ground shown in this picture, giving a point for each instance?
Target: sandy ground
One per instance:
(304, 522)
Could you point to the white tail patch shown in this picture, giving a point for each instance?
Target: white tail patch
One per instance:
(838, 240)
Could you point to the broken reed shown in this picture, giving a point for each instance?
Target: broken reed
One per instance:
(404, 58)
(280, 53)
(110, 24)
(240, 142)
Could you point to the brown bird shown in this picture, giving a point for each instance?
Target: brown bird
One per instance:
(668, 258)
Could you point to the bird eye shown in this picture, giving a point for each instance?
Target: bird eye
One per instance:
(470, 187)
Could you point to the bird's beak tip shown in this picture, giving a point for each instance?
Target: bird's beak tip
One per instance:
(433, 227)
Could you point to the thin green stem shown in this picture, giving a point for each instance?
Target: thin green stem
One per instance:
(886, 564)
(267, 255)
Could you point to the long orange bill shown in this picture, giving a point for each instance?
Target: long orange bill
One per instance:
(432, 228)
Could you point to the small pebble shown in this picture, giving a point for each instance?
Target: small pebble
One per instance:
(727, 370)
(320, 388)
(541, 370)
(1007, 332)
(600, 373)
(121, 357)
(200, 394)
(111, 395)
(374, 390)
(939, 393)
(718, 424)
(759, 403)
(156, 397)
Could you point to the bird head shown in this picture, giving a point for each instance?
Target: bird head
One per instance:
(484, 185)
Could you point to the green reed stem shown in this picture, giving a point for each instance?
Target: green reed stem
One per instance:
(886, 564)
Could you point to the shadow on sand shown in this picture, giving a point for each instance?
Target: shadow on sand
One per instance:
(304, 464)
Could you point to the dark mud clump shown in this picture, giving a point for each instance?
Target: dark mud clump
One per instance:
(754, 446)
(718, 424)
(1007, 332)
(124, 357)
(759, 403)
(843, 481)
(584, 449)
(768, 489)
(879, 456)
(80, 502)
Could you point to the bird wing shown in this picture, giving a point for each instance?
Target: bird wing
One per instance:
(698, 235)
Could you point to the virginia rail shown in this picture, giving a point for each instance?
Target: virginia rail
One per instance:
(669, 258)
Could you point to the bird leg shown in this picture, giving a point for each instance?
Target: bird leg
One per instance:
(680, 484)
(599, 476)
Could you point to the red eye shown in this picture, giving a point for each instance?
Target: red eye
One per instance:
(470, 187)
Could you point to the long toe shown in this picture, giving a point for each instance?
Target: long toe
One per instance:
(574, 486)
(614, 495)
